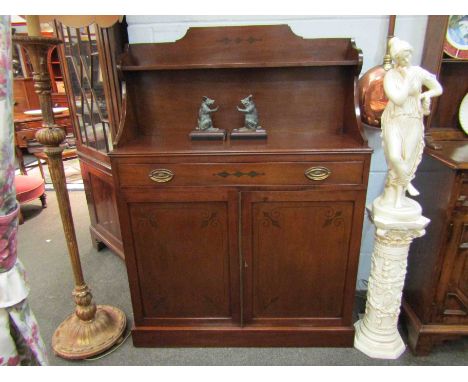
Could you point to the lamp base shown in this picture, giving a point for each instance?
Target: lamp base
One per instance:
(78, 339)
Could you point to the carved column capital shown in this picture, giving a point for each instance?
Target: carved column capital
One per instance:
(397, 238)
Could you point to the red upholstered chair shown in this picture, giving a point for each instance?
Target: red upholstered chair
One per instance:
(29, 187)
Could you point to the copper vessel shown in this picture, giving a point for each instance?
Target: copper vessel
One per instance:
(372, 99)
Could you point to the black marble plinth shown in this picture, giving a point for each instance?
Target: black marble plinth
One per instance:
(248, 134)
(203, 135)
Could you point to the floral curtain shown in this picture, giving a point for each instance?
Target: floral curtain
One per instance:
(20, 341)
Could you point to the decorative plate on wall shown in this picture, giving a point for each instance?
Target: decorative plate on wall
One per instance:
(463, 114)
(456, 39)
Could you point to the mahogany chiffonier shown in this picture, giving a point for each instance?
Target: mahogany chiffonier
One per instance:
(242, 242)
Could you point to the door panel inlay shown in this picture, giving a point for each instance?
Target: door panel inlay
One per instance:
(271, 218)
(183, 258)
(299, 258)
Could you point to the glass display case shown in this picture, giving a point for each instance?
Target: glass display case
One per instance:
(88, 55)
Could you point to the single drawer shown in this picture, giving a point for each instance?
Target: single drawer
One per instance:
(28, 125)
(218, 174)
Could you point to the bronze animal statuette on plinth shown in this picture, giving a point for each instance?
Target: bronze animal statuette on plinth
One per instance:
(205, 128)
(252, 128)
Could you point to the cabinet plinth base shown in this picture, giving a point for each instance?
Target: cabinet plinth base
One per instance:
(422, 337)
(342, 336)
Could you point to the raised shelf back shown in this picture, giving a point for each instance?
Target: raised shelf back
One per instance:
(240, 47)
(299, 85)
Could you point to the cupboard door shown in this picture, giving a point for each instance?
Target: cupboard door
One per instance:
(184, 257)
(453, 285)
(299, 252)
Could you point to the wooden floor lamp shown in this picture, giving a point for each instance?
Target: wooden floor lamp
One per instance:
(91, 329)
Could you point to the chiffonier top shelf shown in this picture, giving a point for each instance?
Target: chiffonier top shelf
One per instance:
(277, 143)
(304, 90)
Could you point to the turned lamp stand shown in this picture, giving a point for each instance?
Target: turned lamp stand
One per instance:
(91, 329)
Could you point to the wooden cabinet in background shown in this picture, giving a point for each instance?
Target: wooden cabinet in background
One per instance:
(443, 123)
(242, 242)
(435, 304)
(24, 97)
(55, 71)
(88, 55)
(26, 126)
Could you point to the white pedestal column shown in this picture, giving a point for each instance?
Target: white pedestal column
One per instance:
(376, 333)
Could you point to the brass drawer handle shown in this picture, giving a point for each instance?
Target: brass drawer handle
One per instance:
(161, 175)
(317, 173)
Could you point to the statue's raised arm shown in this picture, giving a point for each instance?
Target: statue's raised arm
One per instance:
(434, 90)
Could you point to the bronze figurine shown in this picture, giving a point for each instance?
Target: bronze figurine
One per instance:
(204, 115)
(251, 128)
(205, 128)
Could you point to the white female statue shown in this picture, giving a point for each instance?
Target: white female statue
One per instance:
(402, 123)
(398, 219)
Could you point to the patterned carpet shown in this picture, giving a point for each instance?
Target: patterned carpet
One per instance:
(72, 173)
